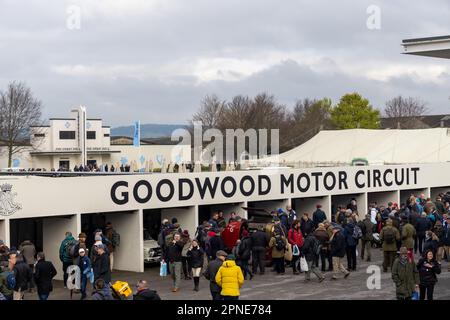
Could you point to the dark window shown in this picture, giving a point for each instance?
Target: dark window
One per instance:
(67, 135)
(39, 135)
(90, 135)
(106, 135)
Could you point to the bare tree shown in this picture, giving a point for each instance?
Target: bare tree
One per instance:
(210, 112)
(399, 107)
(18, 111)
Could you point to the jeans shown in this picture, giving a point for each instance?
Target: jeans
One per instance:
(83, 286)
(245, 268)
(428, 290)
(324, 256)
(312, 267)
(366, 247)
(278, 264)
(186, 267)
(175, 271)
(258, 257)
(351, 257)
(43, 296)
(216, 295)
(66, 275)
(418, 244)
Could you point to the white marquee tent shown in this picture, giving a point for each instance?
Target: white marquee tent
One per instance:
(376, 146)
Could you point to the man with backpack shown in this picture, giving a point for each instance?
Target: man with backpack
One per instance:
(366, 227)
(278, 244)
(337, 245)
(65, 256)
(114, 241)
(22, 275)
(389, 236)
(311, 251)
(6, 282)
(352, 233)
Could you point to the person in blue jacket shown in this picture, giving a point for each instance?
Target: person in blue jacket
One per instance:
(84, 263)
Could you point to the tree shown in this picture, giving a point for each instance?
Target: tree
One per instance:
(408, 109)
(210, 112)
(18, 111)
(354, 111)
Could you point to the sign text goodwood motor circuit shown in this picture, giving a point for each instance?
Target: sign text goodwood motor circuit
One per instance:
(184, 189)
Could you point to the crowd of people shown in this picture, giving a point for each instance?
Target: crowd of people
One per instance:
(309, 244)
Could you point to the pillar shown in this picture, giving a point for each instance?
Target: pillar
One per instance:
(4, 231)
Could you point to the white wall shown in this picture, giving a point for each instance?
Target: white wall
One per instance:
(187, 217)
(54, 230)
(4, 231)
(129, 255)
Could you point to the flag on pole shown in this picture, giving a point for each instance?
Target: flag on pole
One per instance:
(137, 134)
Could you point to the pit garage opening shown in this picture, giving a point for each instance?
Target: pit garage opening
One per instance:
(382, 198)
(206, 211)
(406, 194)
(269, 206)
(436, 191)
(345, 201)
(46, 234)
(128, 256)
(309, 205)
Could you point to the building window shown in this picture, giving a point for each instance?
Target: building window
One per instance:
(90, 135)
(67, 135)
(106, 135)
(39, 135)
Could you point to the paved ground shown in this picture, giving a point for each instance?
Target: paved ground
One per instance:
(273, 287)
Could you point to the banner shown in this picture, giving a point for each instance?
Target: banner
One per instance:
(137, 134)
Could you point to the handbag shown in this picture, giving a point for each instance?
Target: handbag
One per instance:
(163, 269)
(295, 251)
(415, 296)
(303, 264)
(288, 253)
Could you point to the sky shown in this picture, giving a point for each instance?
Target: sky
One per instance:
(154, 60)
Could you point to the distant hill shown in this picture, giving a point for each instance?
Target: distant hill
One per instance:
(149, 130)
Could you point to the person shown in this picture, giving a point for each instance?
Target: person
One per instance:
(389, 236)
(352, 205)
(221, 223)
(351, 243)
(278, 243)
(4, 289)
(28, 251)
(230, 278)
(408, 235)
(337, 244)
(215, 243)
(260, 240)
(292, 215)
(367, 237)
(43, 276)
(22, 274)
(101, 290)
(173, 255)
(446, 240)
(210, 274)
(81, 243)
(284, 220)
(4, 254)
(144, 292)
(319, 215)
(428, 268)
(423, 224)
(185, 261)
(431, 243)
(242, 252)
(295, 238)
(321, 234)
(307, 225)
(100, 266)
(214, 221)
(84, 263)
(196, 256)
(311, 250)
(64, 254)
(405, 276)
(112, 243)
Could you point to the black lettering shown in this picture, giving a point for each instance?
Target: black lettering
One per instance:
(385, 181)
(415, 174)
(299, 182)
(376, 178)
(183, 197)
(252, 188)
(342, 180)
(287, 182)
(207, 185)
(407, 176)
(359, 185)
(368, 178)
(136, 191)
(222, 187)
(325, 181)
(316, 175)
(124, 194)
(158, 190)
(396, 174)
(262, 192)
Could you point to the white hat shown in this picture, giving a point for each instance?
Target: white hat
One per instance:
(81, 250)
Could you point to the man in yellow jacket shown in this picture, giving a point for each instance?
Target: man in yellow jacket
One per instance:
(230, 279)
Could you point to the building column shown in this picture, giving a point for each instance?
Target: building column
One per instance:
(4, 231)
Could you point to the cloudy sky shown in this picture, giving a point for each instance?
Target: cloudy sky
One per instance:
(154, 60)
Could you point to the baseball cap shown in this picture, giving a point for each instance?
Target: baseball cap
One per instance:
(221, 253)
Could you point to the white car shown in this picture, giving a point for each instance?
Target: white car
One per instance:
(152, 251)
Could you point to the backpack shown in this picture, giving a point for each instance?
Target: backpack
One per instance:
(69, 248)
(363, 227)
(357, 233)
(279, 244)
(316, 246)
(389, 235)
(161, 240)
(10, 281)
(115, 240)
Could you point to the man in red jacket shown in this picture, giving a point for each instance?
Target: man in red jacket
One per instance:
(295, 239)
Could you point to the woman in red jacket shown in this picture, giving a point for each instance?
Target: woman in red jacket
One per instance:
(295, 239)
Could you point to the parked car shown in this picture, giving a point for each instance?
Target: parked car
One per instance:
(152, 251)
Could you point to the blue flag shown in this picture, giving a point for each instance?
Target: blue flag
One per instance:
(137, 134)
